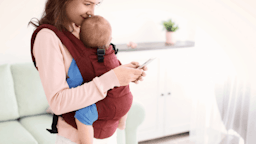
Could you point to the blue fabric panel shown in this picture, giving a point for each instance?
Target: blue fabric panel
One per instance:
(75, 78)
(86, 115)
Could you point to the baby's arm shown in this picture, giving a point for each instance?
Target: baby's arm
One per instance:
(122, 122)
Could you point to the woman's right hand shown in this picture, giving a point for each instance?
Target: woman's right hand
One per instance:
(127, 73)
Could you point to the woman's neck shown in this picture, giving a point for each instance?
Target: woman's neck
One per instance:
(74, 29)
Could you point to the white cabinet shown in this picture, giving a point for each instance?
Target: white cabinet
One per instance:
(163, 91)
(177, 65)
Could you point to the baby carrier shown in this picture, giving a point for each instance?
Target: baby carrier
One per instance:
(93, 62)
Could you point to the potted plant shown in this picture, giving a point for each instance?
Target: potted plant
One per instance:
(170, 29)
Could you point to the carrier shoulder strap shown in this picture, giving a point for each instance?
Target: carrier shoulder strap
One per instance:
(54, 124)
(55, 117)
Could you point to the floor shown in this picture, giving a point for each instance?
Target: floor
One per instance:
(174, 139)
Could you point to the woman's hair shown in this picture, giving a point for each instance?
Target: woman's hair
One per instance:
(54, 14)
(95, 31)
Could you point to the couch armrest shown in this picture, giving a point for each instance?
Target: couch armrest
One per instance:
(135, 117)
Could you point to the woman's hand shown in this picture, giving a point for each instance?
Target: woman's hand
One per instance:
(128, 73)
(145, 68)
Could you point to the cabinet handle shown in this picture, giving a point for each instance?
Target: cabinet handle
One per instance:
(162, 94)
(169, 93)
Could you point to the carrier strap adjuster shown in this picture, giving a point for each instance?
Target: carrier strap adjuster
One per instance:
(100, 54)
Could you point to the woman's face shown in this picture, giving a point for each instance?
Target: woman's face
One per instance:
(78, 10)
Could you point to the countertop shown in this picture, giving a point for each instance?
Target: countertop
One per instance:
(154, 45)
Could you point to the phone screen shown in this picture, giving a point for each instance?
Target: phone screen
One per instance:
(146, 63)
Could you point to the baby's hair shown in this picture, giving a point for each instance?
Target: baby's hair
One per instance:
(54, 14)
(95, 31)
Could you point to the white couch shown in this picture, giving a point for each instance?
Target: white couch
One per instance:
(23, 116)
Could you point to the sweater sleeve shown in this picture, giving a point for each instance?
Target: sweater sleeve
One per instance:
(51, 68)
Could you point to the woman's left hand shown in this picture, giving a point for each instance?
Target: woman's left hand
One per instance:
(145, 68)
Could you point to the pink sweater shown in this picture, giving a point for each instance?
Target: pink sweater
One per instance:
(53, 61)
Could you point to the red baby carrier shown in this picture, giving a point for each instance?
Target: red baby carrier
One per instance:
(93, 62)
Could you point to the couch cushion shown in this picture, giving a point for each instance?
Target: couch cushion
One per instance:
(37, 125)
(8, 102)
(12, 132)
(29, 91)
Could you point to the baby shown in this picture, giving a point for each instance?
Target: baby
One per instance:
(96, 33)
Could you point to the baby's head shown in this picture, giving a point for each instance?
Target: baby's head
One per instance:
(96, 31)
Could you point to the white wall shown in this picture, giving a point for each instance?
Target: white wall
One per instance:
(138, 21)
(230, 23)
(233, 27)
(14, 33)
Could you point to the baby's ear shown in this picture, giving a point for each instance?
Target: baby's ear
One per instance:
(106, 47)
(108, 44)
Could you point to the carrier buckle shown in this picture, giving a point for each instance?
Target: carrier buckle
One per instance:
(100, 53)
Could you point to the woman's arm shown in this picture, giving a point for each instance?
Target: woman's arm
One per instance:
(51, 68)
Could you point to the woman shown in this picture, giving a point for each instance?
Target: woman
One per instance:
(53, 61)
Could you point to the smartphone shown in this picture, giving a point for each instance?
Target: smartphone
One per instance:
(146, 63)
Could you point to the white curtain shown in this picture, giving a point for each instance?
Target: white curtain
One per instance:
(224, 102)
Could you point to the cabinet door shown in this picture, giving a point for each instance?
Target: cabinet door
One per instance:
(177, 104)
(146, 93)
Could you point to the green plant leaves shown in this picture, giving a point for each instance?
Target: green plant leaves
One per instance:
(170, 25)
